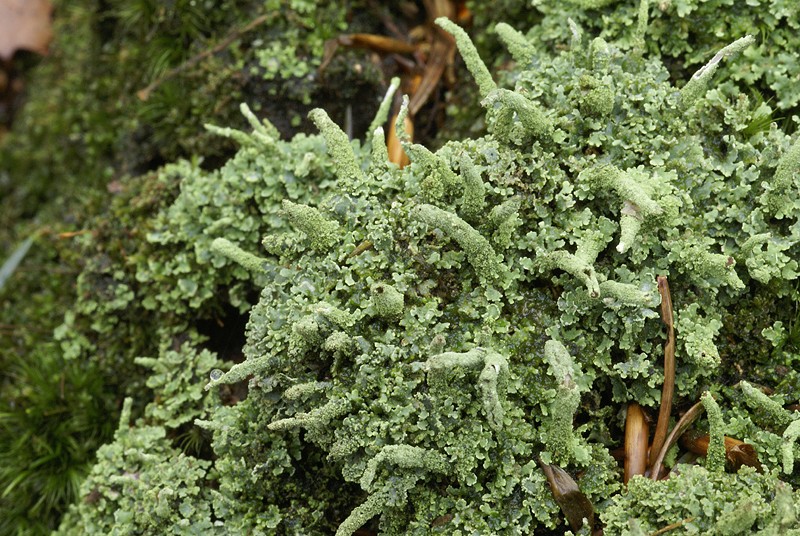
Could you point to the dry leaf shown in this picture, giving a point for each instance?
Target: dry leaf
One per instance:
(572, 501)
(737, 453)
(24, 24)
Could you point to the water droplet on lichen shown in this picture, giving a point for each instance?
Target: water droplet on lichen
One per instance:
(215, 375)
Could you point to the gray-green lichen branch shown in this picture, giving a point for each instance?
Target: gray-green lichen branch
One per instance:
(479, 251)
(698, 84)
(491, 381)
(322, 233)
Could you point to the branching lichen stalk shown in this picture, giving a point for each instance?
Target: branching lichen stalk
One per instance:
(322, 233)
(698, 84)
(774, 413)
(471, 57)
(382, 114)
(479, 252)
(341, 152)
(404, 457)
(516, 43)
(474, 198)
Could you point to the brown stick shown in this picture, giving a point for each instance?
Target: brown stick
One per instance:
(636, 432)
(680, 427)
(668, 388)
(672, 526)
(377, 43)
(396, 153)
(737, 452)
(441, 55)
(144, 94)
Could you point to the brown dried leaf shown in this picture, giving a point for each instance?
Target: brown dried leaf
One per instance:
(737, 453)
(573, 503)
(668, 388)
(25, 24)
(681, 426)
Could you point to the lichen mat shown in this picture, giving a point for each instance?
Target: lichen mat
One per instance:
(427, 338)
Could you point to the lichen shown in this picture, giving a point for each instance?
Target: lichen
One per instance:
(425, 360)
(708, 502)
(457, 364)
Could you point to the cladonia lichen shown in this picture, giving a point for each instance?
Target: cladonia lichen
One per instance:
(427, 336)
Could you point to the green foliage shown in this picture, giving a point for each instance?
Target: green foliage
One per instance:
(176, 380)
(128, 85)
(705, 502)
(83, 125)
(142, 485)
(686, 33)
(52, 419)
(412, 361)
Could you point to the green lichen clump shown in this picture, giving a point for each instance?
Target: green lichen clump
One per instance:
(410, 363)
(710, 503)
(140, 482)
(689, 31)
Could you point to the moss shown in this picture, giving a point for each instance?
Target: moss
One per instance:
(142, 483)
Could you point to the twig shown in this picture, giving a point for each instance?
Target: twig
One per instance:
(668, 389)
(72, 234)
(737, 452)
(682, 425)
(672, 526)
(144, 94)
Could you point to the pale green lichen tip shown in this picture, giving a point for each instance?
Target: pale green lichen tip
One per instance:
(263, 127)
(321, 232)
(404, 457)
(592, 4)
(790, 436)
(641, 27)
(473, 200)
(400, 122)
(339, 148)
(781, 195)
(715, 457)
(491, 381)
(387, 301)
(478, 249)
(382, 115)
(516, 43)
(242, 138)
(698, 84)
(774, 413)
(515, 118)
(470, 54)
(252, 263)
(379, 157)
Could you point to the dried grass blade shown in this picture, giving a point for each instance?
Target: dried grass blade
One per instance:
(668, 389)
